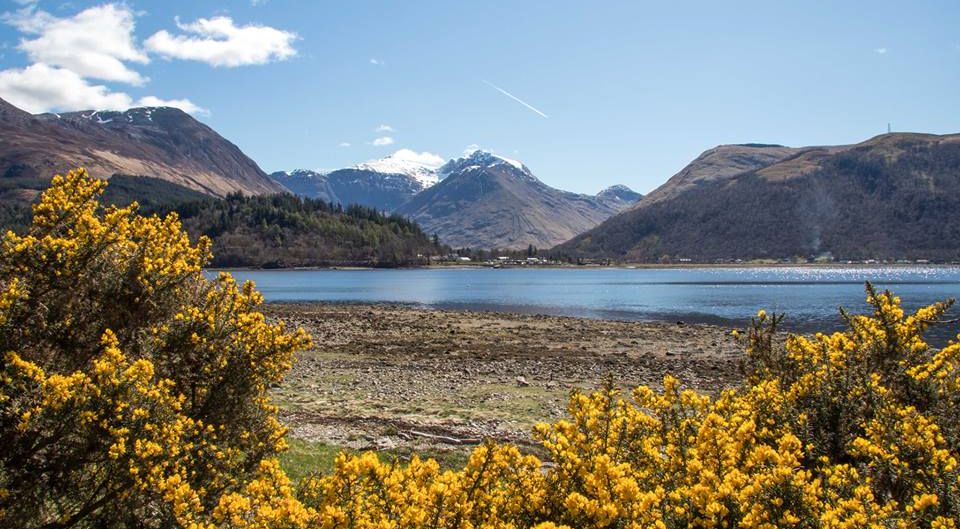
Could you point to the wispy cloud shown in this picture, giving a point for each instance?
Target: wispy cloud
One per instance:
(385, 128)
(344, 144)
(376, 62)
(515, 98)
(880, 51)
(381, 141)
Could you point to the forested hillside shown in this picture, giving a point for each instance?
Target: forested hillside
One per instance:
(275, 231)
(272, 231)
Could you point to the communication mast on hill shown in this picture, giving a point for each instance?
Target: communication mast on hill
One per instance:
(888, 127)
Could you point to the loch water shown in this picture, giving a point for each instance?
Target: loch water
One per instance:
(810, 296)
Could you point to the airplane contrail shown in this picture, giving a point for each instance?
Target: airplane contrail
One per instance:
(515, 98)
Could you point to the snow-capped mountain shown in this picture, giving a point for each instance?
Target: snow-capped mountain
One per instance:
(488, 201)
(384, 184)
(422, 167)
(480, 159)
(481, 200)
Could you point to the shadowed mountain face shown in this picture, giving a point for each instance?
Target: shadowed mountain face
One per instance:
(486, 201)
(383, 184)
(894, 196)
(160, 142)
(383, 191)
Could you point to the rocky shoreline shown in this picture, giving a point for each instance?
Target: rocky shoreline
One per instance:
(391, 377)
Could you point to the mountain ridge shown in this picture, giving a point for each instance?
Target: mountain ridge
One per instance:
(892, 196)
(487, 201)
(160, 142)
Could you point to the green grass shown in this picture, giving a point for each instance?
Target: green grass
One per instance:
(308, 457)
(305, 457)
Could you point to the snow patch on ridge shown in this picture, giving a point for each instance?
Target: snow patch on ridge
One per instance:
(421, 166)
(474, 152)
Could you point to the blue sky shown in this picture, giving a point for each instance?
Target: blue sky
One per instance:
(631, 90)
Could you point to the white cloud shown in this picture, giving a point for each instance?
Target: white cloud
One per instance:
(183, 104)
(383, 140)
(384, 128)
(344, 144)
(426, 159)
(44, 88)
(880, 51)
(219, 42)
(376, 62)
(470, 149)
(95, 43)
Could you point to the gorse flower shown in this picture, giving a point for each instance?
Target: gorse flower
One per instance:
(133, 393)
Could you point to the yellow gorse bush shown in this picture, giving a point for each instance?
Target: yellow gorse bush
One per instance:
(133, 393)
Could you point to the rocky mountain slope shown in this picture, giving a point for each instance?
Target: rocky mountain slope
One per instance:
(487, 201)
(619, 196)
(895, 196)
(383, 191)
(158, 142)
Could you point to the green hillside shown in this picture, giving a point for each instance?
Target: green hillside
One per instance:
(265, 231)
(279, 231)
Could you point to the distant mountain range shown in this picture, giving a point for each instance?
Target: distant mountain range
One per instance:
(480, 200)
(487, 201)
(384, 184)
(892, 197)
(158, 142)
(895, 196)
(496, 202)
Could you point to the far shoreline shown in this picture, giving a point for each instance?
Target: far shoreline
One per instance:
(624, 266)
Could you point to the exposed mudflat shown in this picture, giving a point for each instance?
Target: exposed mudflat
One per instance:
(399, 378)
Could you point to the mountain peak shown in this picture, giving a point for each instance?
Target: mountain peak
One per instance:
(306, 173)
(619, 193)
(421, 166)
(480, 159)
(142, 116)
(487, 158)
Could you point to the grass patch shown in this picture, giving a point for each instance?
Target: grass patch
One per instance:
(307, 457)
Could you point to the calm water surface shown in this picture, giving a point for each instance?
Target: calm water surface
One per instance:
(809, 296)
